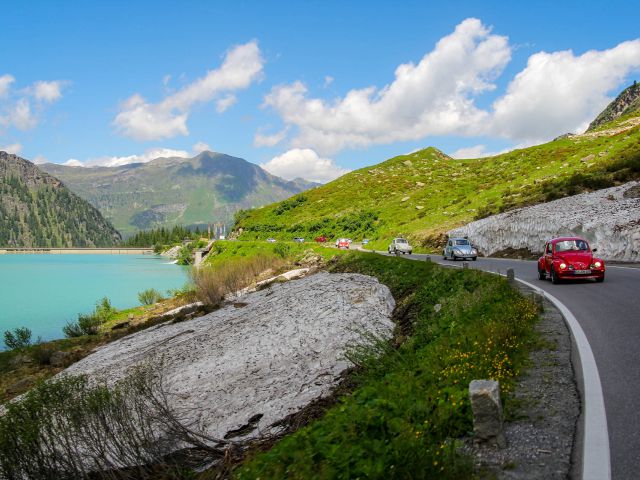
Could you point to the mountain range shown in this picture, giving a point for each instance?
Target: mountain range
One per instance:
(37, 210)
(164, 192)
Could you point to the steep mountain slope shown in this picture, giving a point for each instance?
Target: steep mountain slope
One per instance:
(426, 193)
(37, 210)
(208, 188)
(628, 102)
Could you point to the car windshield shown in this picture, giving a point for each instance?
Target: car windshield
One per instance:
(572, 245)
(462, 242)
(400, 240)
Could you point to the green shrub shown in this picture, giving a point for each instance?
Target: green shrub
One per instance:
(18, 338)
(282, 249)
(149, 296)
(89, 324)
(185, 256)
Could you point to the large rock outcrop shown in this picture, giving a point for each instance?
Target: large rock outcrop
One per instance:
(264, 357)
(609, 219)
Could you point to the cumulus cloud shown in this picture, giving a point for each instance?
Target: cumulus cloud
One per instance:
(5, 84)
(21, 108)
(560, 92)
(142, 120)
(262, 140)
(48, 91)
(304, 163)
(40, 159)
(557, 92)
(328, 80)
(433, 97)
(14, 148)
(200, 147)
(480, 151)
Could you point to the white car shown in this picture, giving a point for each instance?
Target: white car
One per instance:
(400, 245)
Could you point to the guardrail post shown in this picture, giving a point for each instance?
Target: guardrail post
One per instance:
(511, 275)
(428, 259)
(465, 264)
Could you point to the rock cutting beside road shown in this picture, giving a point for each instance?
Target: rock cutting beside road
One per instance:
(609, 219)
(267, 355)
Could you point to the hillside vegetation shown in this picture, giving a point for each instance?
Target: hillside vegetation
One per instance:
(37, 210)
(165, 192)
(423, 194)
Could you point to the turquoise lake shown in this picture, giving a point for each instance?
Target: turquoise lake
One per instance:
(43, 292)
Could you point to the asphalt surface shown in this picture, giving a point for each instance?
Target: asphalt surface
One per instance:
(609, 314)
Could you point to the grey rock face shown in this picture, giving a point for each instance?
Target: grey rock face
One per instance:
(609, 219)
(487, 412)
(283, 349)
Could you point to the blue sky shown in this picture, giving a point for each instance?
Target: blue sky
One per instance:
(309, 89)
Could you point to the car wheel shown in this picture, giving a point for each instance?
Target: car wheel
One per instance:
(600, 279)
(444, 255)
(474, 258)
(542, 275)
(554, 277)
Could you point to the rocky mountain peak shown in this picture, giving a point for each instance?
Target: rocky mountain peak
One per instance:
(627, 102)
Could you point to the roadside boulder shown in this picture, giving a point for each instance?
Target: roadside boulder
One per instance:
(487, 412)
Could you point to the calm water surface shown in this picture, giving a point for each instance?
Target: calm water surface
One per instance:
(43, 292)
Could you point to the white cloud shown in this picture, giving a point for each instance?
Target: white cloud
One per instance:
(477, 151)
(433, 97)
(5, 84)
(560, 92)
(40, 159)
(48, 91)
(225, 102)
(328, 80)
(14, 148)
(72, 162)
(556, 93)
(201, 147)
(261, 140)
(147, 156)
(142, 120)
(21, 108)
(304, 163)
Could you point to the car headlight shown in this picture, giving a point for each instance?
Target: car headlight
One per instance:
(597, 264)
(563, 266)
(457, 251)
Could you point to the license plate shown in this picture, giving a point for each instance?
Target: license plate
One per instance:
(582, 272)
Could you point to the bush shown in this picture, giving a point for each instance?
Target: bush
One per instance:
(184, 255)
(149, 296)
(282, 249)
(18, 338)
(73, 428)
(89, 324)
(213, 282)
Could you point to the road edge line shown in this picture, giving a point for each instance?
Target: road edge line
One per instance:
(596, 457)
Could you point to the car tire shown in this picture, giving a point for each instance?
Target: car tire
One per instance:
(554, 277)
(542, 275)
(444, 255)
(600, 279)
(474, 258)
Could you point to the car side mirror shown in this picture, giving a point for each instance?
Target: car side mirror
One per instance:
(594, 249)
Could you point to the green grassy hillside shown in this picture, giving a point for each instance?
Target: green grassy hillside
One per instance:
(423, 194)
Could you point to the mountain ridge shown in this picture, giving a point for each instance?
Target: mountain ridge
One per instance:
(37, 210)
(207, 188)
(627, 102)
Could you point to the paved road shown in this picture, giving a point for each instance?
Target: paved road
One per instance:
(609, 314)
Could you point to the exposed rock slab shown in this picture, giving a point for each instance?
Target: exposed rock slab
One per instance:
(608, 218)
(284, 348)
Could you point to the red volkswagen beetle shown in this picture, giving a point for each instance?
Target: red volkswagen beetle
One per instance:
(569, 258)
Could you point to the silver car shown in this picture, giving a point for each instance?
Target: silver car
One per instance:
(459, 248)
(400, 245)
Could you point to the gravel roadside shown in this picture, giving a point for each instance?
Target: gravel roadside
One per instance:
(541, 423)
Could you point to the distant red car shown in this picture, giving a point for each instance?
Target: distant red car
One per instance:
(569, 258)
(321, 239)
(343, 243)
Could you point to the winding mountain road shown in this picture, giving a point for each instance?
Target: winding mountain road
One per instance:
(609, 314)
